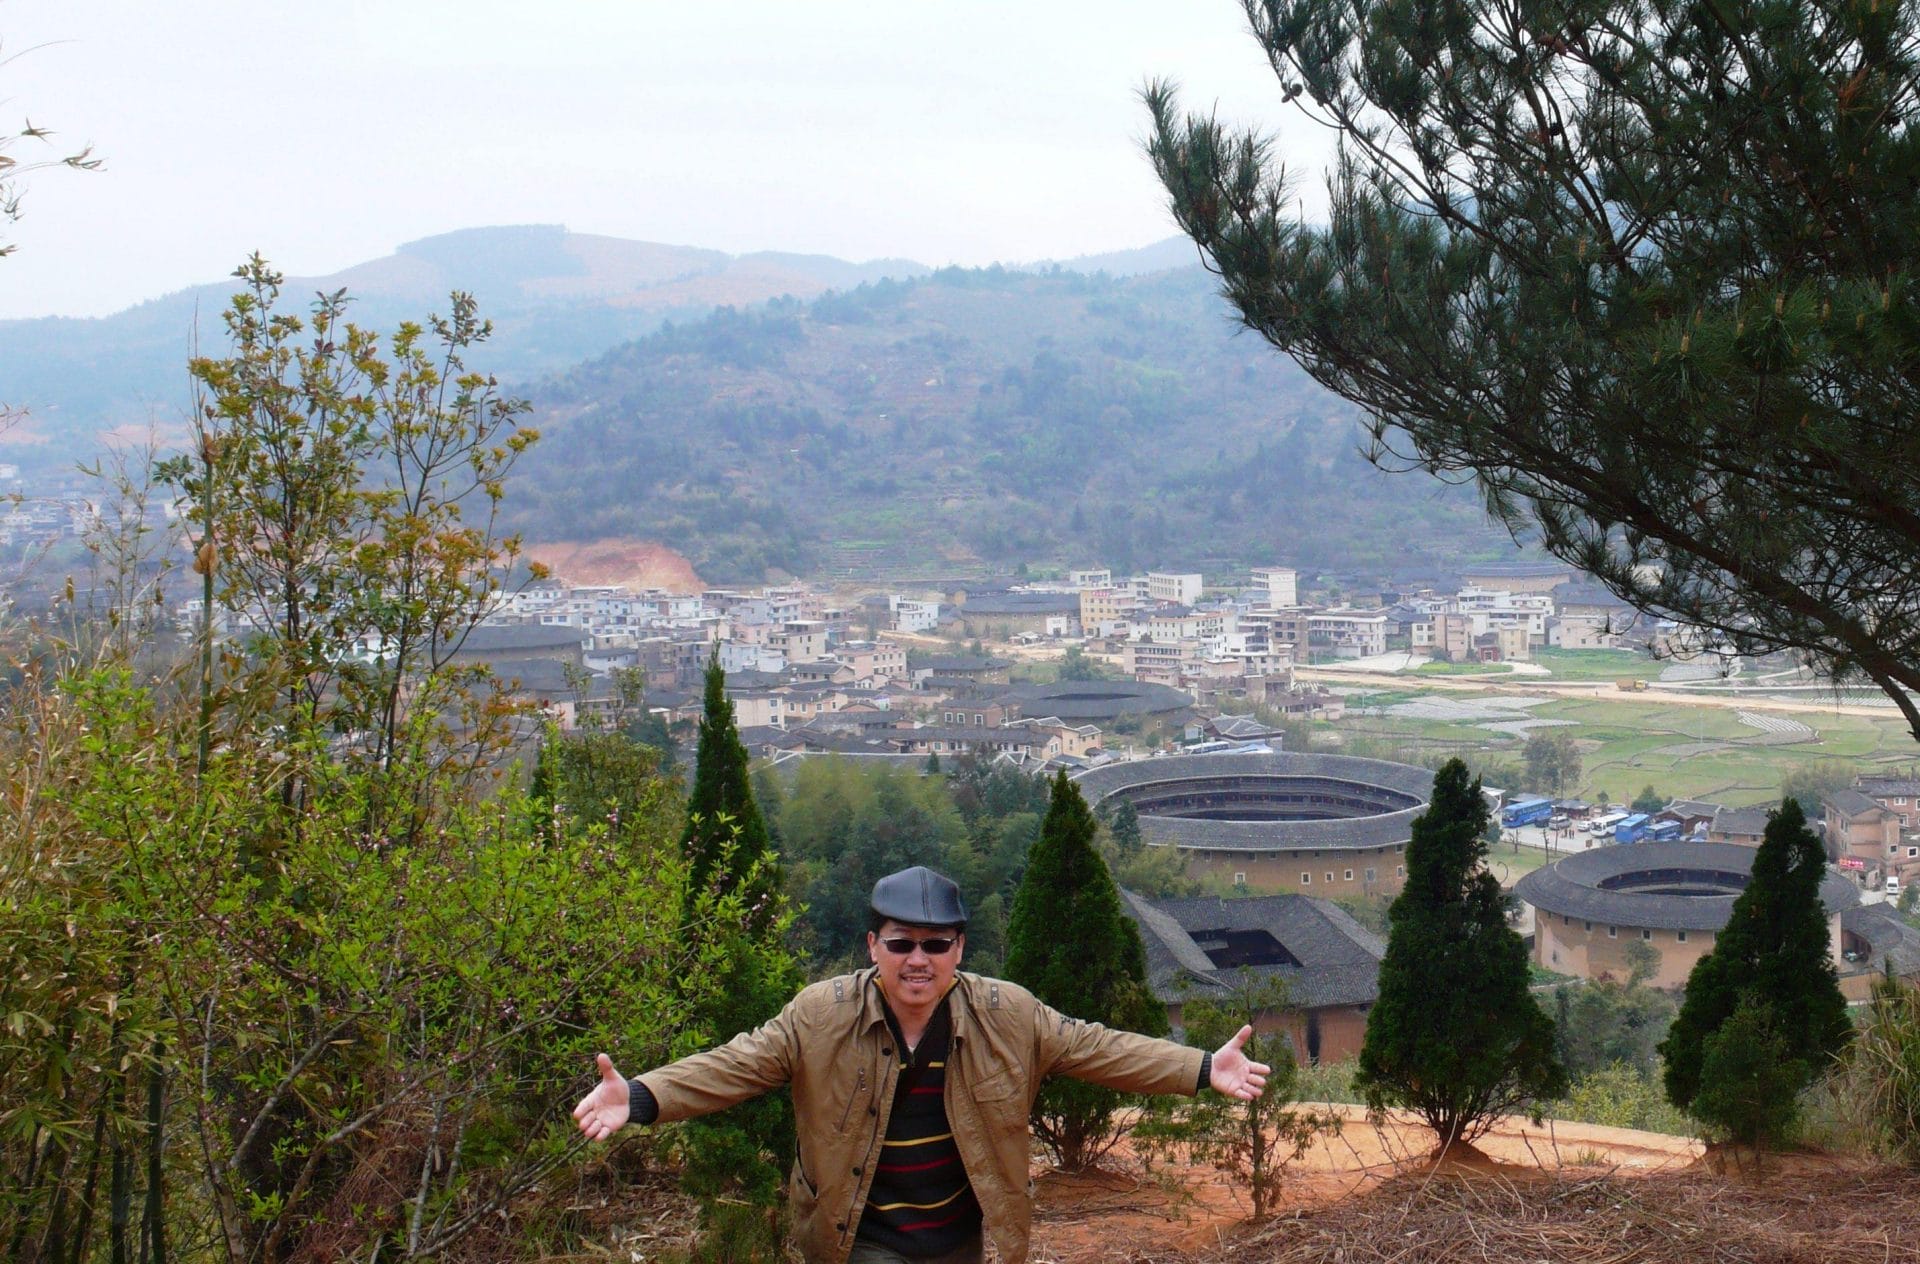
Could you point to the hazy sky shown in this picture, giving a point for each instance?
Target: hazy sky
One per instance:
(327, 132)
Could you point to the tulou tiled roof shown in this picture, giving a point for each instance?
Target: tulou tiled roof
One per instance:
(1338, 959)
(1401, 784)
(1638, 884)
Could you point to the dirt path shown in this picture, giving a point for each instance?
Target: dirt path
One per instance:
(1603, 690)
(1131, 1214)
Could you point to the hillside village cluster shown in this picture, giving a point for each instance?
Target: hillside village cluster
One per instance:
(879, 678)
(809, 674)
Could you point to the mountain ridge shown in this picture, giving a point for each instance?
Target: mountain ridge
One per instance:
(556, 298)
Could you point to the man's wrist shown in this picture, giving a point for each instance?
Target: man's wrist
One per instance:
(642, 1106)
(1206, 1073)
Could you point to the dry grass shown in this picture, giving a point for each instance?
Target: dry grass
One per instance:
(1793, 1208)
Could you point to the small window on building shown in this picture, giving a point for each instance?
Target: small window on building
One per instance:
(1554, 956)
(1647, 935)
(1240, 879)
(1306, 879)
(1913, 851)
(1613, 932)
(1329, 875)
(1371, 876)
(979, 719)
(1400, 871)
(1680, 937)
(1589, 927)
(1349, 875)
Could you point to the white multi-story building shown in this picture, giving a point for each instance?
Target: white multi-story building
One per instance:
(1179, 624)
(1090, 578)
(1493, 609)
(1281, 584)
(914, 616)
(1351, 633)
(1180, 589)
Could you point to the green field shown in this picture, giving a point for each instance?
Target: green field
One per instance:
(1461, 669)
(1598, 664)
(1627, 743)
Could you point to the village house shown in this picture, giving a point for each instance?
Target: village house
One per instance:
(1206, 948)
(1349, 633)
(1002, 615)
(972, 668)
(1692, 815)
(1164, 662)
(873, 658)
(939, 739)
(1518, 577)
(1177, 589)
(1074, 741)
(1107, 611)
(1743, 826)
(1868, 832)
(910, 615)
(1276, 587)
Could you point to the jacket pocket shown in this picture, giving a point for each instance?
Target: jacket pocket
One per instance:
(854, 1099)
(994, 1088)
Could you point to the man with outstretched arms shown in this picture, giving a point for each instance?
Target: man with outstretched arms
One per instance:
(912, 1084)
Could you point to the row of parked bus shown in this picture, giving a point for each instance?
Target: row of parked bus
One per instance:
(1620, 826)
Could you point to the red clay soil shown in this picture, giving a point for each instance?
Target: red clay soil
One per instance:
(1185, 1213)
(630, 563)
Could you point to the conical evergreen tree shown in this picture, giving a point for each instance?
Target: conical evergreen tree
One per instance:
(1455, 1036)
(1774, 957)
(725, 831)
(1126, 829)
(734, 1160)
(1069, 941)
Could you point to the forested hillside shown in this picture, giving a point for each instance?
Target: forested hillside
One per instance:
(970, 419)
(555, 298)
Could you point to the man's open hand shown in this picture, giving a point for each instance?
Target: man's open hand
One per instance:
(1234, 1073)
(604, 1111)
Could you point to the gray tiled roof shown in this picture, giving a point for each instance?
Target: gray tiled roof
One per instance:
(940, 664)
(1339, 960)
(1573, 887)
(1100, 699)
(1850, 802)
(1902, 787)
(1892, 943)
(520, 637)
(1740, 821)
(1021, 603)
(1385, 829)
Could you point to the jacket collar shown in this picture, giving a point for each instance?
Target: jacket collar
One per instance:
(962, 996)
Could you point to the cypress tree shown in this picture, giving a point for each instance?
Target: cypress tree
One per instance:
(1126, 829)
(734, 1159)
(1070, 942)
(725, 831)
(1772, 962)
(1455, 1036)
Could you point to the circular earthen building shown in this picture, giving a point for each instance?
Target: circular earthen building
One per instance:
(1322, 825)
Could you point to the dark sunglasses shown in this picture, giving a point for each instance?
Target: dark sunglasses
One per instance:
(901, 945)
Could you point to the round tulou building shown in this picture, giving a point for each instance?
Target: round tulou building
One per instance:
(1323, 825)
(1676, 897)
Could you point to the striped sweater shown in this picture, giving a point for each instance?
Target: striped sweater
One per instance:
(921, 1203)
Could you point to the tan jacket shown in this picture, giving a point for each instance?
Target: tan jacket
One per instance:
(833, 1045)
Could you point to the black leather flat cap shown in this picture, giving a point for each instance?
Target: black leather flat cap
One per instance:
(919, 897)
